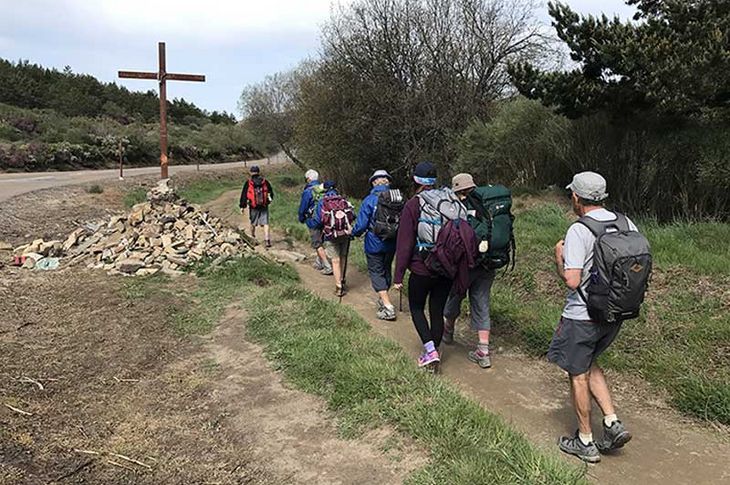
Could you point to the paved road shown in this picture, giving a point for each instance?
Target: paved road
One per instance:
(12, 184)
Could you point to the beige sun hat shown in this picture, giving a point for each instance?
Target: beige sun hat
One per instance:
(462, 181)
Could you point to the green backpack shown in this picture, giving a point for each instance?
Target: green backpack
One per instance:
(490, 215)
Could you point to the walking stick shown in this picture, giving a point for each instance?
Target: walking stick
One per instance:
(344, 270)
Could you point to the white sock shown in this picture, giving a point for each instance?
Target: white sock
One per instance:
(609, 419)
(586, 439)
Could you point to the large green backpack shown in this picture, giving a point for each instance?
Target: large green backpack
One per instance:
(490, 215)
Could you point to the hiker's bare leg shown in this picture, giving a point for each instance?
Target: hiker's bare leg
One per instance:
(483, 336)
(267, 233)
(337, 271)
(385, 297)
(581, 392)
(600, 392)
(322, 256)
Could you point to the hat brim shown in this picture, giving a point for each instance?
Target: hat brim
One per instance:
(376, 177)
(461, 189)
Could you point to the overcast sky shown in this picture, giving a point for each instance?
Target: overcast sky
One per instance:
(232, 42)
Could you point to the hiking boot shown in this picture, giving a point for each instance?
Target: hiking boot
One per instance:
(614, 437)
(340, 291)
(429, 360)
(574, 446)
(327, 271)
(479, 357)
(387, 313)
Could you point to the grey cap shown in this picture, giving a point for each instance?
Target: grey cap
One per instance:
(589, 186)
(380, 174)
(462, 181)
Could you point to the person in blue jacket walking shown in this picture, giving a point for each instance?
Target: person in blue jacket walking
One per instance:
(307, 209)
(379, 253)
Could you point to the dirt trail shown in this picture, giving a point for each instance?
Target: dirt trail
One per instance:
(533, 395)
(292, 433)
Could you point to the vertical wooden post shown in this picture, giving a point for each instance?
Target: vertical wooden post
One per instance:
(163, 110)
(121, 161)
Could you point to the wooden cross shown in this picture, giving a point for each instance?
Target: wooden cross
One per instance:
(162, 76)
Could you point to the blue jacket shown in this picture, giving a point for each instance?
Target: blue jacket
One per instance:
(317, 216)
(305, 205)
(373, 244)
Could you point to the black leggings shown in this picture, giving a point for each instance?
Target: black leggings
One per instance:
(437, 291)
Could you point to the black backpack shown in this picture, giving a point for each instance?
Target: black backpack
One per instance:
(619, 277)
(387, 214)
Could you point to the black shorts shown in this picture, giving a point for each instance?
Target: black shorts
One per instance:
(577, 344)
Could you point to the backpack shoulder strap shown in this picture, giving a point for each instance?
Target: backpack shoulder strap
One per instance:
(599, 227)
(476, 202)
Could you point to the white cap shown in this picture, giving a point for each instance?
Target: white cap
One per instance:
(311, 175)
(589, 186)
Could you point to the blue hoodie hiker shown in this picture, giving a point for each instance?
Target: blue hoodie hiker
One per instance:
(307, 208)
(378, 219)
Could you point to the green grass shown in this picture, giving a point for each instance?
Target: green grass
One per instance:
(682, 341)
(204, 190)
(134, 196)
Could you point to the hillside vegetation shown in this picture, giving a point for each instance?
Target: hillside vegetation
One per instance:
(51, 120)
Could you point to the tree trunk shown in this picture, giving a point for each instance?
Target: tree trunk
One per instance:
(292, 157)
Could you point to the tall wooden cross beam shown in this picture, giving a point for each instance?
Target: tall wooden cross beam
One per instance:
(162, 76)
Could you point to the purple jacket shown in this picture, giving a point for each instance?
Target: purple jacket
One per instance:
(456, 252)
(406, 256)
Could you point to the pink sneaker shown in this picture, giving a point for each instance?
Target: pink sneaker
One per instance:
(428, 359)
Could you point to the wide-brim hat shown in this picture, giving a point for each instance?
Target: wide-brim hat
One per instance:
(380, 174)
(462, 181)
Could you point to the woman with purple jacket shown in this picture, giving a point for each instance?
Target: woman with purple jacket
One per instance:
(422, 284)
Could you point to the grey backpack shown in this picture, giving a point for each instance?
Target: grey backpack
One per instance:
(619, 277)
(438, 206)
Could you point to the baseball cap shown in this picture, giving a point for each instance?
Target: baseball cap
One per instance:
(254, 169)
(380, 174)
(462, 181)
(311, 175)
(589, 186)
(329, 185)
(425, 173)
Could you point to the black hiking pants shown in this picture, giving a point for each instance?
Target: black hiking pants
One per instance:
(436, 291)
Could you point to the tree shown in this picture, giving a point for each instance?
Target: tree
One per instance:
(675, 61)
(269, 110)
(399, 80)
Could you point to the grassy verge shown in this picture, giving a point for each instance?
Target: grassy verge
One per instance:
(682, 341)
(368, 381)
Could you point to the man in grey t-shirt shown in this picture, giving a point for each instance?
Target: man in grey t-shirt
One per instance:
(578, 341)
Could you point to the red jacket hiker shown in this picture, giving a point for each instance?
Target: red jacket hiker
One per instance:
(248, 193)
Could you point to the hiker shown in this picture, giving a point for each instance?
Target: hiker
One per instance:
(424, 234)
(313, 191)
(489, 214)
(378, 219)
(334, 216)
(257, 195)
(589, 323)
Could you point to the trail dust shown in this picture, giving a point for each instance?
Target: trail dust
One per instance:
(533, 396)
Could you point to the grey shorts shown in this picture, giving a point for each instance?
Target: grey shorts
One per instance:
(577, 344)
(337, 248)
(380, 270)
(480, 288)
(316, 236)
(259, 216)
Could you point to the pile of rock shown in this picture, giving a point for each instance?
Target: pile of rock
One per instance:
(163, 234)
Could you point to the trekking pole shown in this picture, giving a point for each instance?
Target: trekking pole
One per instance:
(344, 269)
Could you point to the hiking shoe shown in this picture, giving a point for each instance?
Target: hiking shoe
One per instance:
(387, 313)
(317, 265)
(574, 446)
(327, 271)
(429, 359)
(479, 357)
(614, 437)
